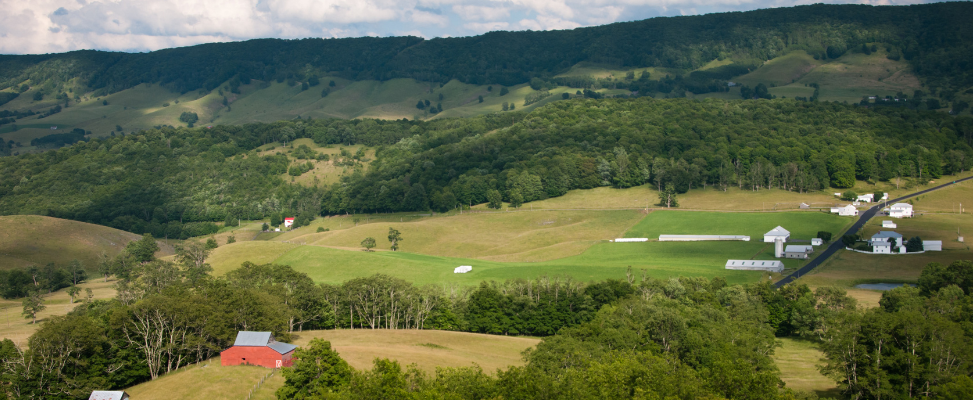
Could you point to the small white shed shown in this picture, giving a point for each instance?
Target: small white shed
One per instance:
(778, 232)
(817, 241)
(462, 269)
(889, 224)
(108, 395)
(627, 240)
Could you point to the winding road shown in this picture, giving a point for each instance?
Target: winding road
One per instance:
(862, 220)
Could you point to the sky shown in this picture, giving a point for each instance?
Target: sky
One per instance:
(54, 26)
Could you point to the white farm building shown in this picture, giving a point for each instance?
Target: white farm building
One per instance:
(932, 245)
(846, 211)
(701, 238)
(889, 224)
(797, 251)
(629, 240)
(755, 265)
(778, 232)
(866, 198)
(900, 210)
(462, 269)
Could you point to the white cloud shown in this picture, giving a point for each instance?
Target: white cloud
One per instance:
(481, 13)
(41, 26)
(481, 27)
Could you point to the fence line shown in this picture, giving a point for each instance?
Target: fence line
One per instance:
(261, 382)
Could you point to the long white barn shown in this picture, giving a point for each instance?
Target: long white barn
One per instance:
(755, 265)
(700, 238)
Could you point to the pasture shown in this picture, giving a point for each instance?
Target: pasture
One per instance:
(335, 257)
(428, 350)
(13, 326)
(38, 240)
(798, 360)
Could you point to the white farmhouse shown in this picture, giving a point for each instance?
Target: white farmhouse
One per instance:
(846, 211)
(884, 236)
(778, 232)
(866, 198)
(900, 210)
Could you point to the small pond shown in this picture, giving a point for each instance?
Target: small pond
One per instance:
(881, 286)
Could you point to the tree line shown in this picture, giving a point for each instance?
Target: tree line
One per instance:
(180, 182)
(933, 38)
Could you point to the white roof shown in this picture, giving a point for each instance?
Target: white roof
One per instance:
(797, 248)
(903, 206)
(107, 395)
(778, 231)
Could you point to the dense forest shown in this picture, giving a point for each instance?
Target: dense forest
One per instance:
(934, 38)
(178, 182)
(683, 338)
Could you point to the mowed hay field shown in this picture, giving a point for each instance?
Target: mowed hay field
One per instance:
(13, 326)
(500, 236)
(426, 349)
(798, 360)
(601, 260)
(38, 240)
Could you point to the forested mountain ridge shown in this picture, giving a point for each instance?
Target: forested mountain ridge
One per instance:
(935, 38)
(175, 182)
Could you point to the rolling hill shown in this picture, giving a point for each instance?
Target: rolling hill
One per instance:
(38, 240)
(847, 52)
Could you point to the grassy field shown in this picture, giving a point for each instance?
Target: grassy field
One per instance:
(324, 172)
(343, 260)
(780, 71)
(13, 326)
(38, 240)
(510, 236)
(798, 360)
(426, 349)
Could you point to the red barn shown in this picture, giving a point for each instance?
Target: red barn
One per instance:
(258, 348)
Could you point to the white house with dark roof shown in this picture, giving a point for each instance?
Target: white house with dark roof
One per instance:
(774, 234)
(887, 237)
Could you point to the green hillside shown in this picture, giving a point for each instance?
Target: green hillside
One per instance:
(36, 240)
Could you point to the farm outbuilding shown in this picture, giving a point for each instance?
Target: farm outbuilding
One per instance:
(900, 210)
(845, 211)
(797, 251)
(701, 238)
(755, 265)
(817, 241)
(778, 232)
(258, 348)
(630, 240)
(462, 269)
(288, 222)
(108, 395)
(866, 198)
(932, 245)
(804, 206)
(889, 224)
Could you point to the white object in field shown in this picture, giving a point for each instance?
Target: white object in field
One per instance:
(778, 232)
(778, 247)
(867, 198)
(276, 229)
(817, 241)
(462, 269)
(837, 195)
(889, 224)
(960, 239)
(900, 210)
(755, 265)
(885, 196)
(624, 240)
(932, 245)
(804, 206)
(846, 211)
(701, 238)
